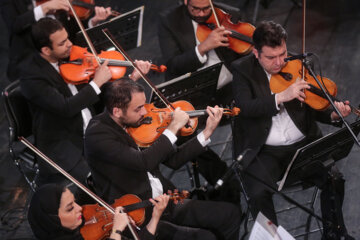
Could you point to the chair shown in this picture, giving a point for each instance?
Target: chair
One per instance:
(20, 124)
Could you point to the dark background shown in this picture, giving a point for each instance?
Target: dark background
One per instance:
(332, 32)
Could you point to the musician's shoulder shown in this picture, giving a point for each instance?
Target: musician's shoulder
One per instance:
(243, 61)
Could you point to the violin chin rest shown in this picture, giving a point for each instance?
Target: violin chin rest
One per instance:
(147, 120)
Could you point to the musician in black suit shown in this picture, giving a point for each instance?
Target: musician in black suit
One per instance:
(183, 53)
(180, 47)
(60, 111)
(274, 126)
(19, 15)
(119, 167)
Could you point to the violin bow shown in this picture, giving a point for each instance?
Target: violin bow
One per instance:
(215, 16)
(72, 179)
(146, 79)
(93, 51)
(323, 87)
(86, 36)
(303, 37)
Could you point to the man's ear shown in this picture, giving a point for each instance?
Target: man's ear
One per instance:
(255, 52)
(186, 2)
(46, 50)
(117, 112)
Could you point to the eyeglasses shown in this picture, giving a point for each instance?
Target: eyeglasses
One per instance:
(197, 10)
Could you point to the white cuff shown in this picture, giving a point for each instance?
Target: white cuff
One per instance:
(90, 25)
(202, 59)
(95, 87)
(172, 138)
(201, 139)
(38, 13)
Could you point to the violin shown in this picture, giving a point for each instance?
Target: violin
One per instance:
(105, 205)
(240, 39)
(98, 220)
(82, 65)
(157, 120)
(315, 98)
(83, 8)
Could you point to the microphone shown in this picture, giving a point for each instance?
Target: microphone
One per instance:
(230, 171)
(299, 56)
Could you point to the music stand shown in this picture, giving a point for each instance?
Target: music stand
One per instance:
(126, 28)
(319, 154)
(199, 88)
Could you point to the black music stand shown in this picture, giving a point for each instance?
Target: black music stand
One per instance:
(126, 28)
(199, 88)
(319, 154)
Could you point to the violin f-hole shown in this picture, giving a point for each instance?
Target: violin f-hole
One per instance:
(286, 76)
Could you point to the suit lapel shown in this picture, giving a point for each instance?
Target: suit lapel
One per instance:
(55, 77)
(186, 30)
(261, 78)
(119, 129)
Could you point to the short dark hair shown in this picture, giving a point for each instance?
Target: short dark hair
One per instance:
(42, 30)
(269, 33)
(118, 93)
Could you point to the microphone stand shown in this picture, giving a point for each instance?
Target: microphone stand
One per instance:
(236, 168)
(306, 64)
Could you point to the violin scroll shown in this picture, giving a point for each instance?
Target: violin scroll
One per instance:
(231, 112)
(177, 196)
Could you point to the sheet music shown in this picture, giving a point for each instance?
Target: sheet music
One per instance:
(264, 229)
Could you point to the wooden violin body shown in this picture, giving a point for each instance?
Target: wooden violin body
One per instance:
(98, 220)
(291, 73)
(240, 39)
(82, 65)
(83, 8)
(157, 119)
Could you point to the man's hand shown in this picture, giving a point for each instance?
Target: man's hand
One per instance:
(102, 74)
(217, 38)
(295, 90)
(344, 109)
(144, 67)
(50, 7)
(159, 205)
(120, 219)
(179, 120)
(215, 115)
(101, 14)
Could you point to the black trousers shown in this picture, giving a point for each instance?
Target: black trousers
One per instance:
(203, 220)
(271, 163)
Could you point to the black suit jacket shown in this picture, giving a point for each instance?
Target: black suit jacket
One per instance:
(19, 17)
(177, 43)
(57, 119)
(253, 96)
(119, 167)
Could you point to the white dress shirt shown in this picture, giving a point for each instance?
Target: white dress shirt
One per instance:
(85, 113)
(156, 186)
(283, 130)
(211, 58)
